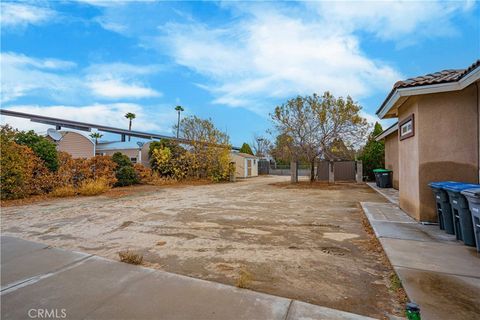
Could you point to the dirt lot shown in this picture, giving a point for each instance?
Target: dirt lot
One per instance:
(303, 242)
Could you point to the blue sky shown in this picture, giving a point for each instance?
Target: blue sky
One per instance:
(232, 62)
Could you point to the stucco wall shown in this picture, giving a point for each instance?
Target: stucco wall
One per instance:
(391, 156)
(445, 147)
(447, 128)
(77, 145)
(408, 163)
(240, 163)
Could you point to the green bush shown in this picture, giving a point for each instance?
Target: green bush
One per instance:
(126, 176)
(373, 154)
(41, 146)
(121, 160)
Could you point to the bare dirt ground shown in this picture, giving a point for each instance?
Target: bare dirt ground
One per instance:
(302, 242)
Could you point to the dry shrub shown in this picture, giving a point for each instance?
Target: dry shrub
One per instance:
(244, 279)
(150, 177)
(130, 257)
(76, 171)
(102, 167)
(143, 173)
(64, 191)
(93, 187)
(23, 173)
(157, 180)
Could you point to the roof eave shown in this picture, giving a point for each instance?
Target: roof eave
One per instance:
(464, 82)
(387, 132)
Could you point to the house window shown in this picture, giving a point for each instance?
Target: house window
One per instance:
(134, 160)
(407, 127)
(254, 162)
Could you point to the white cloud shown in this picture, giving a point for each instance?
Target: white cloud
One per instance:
(272, 55)
(23, 14)
(391, 19)
(117, 89)
(62, 82)
(276, 51)
(160, 120)
(120, 80)
(22, 75)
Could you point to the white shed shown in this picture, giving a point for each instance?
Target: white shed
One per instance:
(246, 165)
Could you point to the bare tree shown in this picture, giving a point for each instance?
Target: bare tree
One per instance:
(261, 145)
(312, 123)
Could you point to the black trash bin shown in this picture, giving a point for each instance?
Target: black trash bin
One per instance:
(461, 213)
(383, 178)
(444, 209)
(473, 197)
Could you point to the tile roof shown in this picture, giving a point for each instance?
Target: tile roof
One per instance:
(444, 76)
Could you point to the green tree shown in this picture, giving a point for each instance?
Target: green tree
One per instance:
(121, 160)
(246, 149)
(124, 172)
(130, 116)
(373, 153)
(312, 123)
(41, 146)
(126, 176)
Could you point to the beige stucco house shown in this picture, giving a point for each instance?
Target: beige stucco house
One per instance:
(74, 143)
(436, 137)
(246, 165)
(137, 152)
(82, 146)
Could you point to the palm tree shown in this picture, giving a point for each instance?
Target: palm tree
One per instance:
(130, 116)
(96, 136)
(178, 109)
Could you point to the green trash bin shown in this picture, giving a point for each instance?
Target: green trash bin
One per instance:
(383, 178)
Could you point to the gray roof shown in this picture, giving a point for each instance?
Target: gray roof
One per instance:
(118, 145)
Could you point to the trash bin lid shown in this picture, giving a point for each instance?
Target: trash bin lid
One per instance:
(474, 193)
(441, 184)
(459, 187)
(381, 170)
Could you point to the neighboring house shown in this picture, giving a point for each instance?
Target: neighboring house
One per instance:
(74, 143)
(246, 165)
(82, 146)
(390, 137)
(436, 137)
(136, 151)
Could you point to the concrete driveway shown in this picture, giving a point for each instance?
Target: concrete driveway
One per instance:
(42, 282)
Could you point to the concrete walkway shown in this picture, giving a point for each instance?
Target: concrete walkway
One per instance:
(40, 280)
(438, 272)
